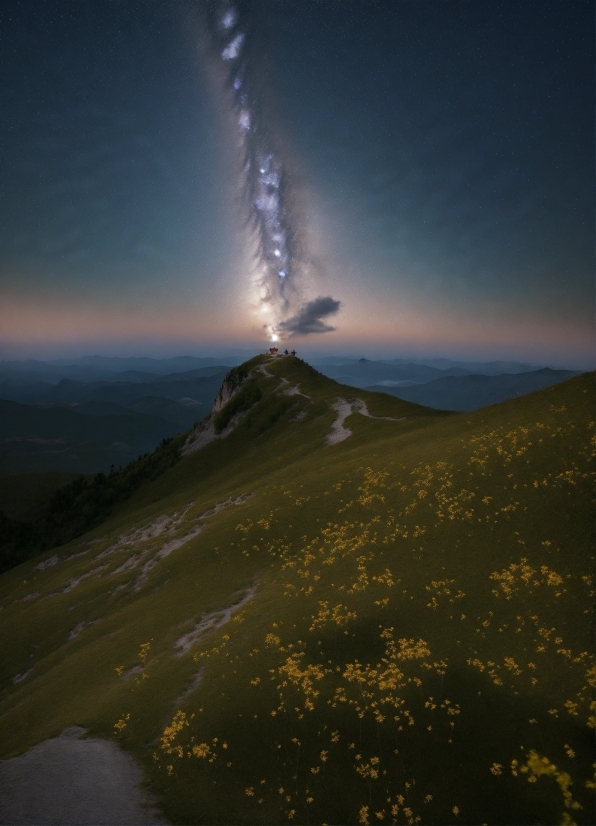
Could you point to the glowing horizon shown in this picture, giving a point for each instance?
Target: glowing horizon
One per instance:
(27, 328)
(125, 208)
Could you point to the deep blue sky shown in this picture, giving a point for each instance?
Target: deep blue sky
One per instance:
(443, 152)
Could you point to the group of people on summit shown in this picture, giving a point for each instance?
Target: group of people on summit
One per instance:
(274, 351)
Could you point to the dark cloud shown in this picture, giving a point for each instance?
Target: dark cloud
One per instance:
(308, 319)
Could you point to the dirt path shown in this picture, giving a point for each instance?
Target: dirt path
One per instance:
(262, 369)
(214, 619)
(344, 409)
(289, 391)
(360, 407)
(69, 780)
(295, 391)
(338, 431)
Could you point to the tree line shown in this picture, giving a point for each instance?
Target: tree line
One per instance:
(81, 505)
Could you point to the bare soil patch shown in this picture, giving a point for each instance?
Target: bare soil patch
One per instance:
(74, 780)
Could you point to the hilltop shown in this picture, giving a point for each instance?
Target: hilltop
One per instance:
(87, 415)
(337, 606)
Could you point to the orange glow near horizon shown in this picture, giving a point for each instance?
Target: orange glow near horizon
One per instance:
(31, 326)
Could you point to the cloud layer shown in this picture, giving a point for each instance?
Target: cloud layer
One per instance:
(308, 319)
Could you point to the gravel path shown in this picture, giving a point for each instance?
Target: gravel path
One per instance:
(338, 431)
(69, 780)
(344, 409)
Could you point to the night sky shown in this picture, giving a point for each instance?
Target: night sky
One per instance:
(441, 156)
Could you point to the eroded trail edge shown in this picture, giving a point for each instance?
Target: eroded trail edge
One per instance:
(345, 408)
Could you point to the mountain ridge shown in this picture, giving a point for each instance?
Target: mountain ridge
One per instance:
(275, 611)
(469, 392)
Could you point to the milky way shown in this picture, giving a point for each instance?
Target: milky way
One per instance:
(281, 261)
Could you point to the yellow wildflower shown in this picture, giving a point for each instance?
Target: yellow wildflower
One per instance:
(144, 650)
(119, 725)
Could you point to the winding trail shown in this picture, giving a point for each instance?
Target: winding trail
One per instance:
(345, 408)
(294, 390)
(262, 369)
(338, 431)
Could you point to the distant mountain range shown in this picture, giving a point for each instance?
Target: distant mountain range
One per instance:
(86, 414)
(489, 368)
(60, 438)
(93, 368)
(403, 372)
(363, 372)
(465, 393)
(177, 364)
(28, 388)
(49, 421)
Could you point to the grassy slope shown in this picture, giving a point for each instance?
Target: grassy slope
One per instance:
(421, 620)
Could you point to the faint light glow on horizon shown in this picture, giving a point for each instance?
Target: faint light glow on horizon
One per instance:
(30, 330)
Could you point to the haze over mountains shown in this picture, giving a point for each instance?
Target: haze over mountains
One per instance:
(87, 414)
(469, 392)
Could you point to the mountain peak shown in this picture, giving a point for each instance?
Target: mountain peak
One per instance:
(356, 611)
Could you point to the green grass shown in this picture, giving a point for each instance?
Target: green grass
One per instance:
(419, 643)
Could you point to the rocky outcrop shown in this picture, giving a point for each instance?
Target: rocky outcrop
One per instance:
(232, 383)
(205, 432)
(201, 434)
